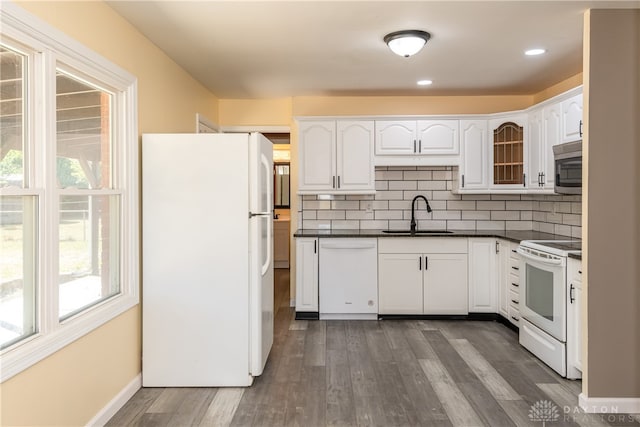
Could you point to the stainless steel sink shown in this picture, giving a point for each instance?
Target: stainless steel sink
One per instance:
(417, 232)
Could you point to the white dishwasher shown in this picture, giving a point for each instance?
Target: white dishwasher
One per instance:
(348, 278)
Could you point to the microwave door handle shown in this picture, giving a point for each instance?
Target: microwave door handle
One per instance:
(542, 260)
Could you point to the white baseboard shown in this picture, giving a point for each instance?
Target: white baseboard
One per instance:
(105, 414)
(609, 405)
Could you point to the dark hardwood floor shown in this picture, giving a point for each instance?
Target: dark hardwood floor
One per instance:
(379, 373)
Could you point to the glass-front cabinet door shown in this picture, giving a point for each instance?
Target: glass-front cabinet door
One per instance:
(508, 143)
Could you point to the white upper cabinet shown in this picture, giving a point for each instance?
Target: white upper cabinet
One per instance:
(474, 160)
(552, 133)
(572, 119)
(437, 137)
(508, 160)
(336, 157)
(417, 142)
(396, 137)
(354, 161)
(536, 143)
(317, 156)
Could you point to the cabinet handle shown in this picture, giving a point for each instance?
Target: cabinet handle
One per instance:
(338, 181)
(580, 129)
(419, 146)
(580, 271)
(514, 251)
(315, 246)
(462, 180)
(497, 247)
(414, 146)
(571, 298)
(542, 175)
(334, 181)
(515, 318)
(420, 263)
(515, 284)
(515, 268)
(426, 263)
(524, 179)
(514, 301)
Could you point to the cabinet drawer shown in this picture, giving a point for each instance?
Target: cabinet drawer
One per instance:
(514, 298)
(513, 254)
(426, 245)
(514, 315)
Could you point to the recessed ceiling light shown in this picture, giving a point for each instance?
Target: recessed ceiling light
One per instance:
(424, 82)
(533, 52)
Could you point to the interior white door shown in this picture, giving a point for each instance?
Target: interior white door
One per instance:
(261, 248)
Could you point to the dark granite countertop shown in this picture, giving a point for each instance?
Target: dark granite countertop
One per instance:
(514, 236)
(576, 256)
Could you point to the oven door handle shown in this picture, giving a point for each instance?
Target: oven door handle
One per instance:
(539, 259)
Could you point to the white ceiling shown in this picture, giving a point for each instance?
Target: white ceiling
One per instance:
(262, 49)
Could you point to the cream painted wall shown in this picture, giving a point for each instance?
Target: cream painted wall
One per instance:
(255, 112)
(611, 203)
(407, 105)
(71, 386)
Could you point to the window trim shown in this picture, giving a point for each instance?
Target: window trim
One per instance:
(53, 47)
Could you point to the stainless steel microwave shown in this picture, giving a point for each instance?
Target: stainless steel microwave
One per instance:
(568, 168)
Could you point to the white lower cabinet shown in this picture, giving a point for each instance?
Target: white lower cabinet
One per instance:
(400, 289)
(307, 274)
(482, 275)
(422, 276)
(512, 273)
(574, 318)
(502, 272)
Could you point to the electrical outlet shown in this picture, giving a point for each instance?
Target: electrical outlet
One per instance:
(369, 207)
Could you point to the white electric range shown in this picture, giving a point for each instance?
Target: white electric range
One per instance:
(543, 300)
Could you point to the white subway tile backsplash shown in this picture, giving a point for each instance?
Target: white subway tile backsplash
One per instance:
(432, 185)
(518, 225)
(570, 219)
(359, 215)
(396, 186)
(417, 175)
(447, 215)
(403, 185)
(461, 225)
(382, 185)
(316, 204)
(493, 205)
(374, 225)
(563, 230)
(344, 225)
(345, 204)
(399, 225)
(519, 206)
(490, 225)
(481, 215)
(389, 195)
(505, 215)
(444, 195)
(432, 225)
(388, 215)
(384, 175)
(331, 214)
(463, 205)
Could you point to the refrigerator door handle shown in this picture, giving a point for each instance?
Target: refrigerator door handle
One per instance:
(252, 214)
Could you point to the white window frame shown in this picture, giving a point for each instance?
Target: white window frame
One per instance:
(51, 47)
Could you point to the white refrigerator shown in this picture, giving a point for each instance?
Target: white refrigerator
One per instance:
(207, 253)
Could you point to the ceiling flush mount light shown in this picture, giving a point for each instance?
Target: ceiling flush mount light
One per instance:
(407, 42)
(424, 82)
(534, 52)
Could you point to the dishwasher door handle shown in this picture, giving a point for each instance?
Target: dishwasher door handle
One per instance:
(351, 246)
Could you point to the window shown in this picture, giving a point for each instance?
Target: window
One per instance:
(68, 191)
